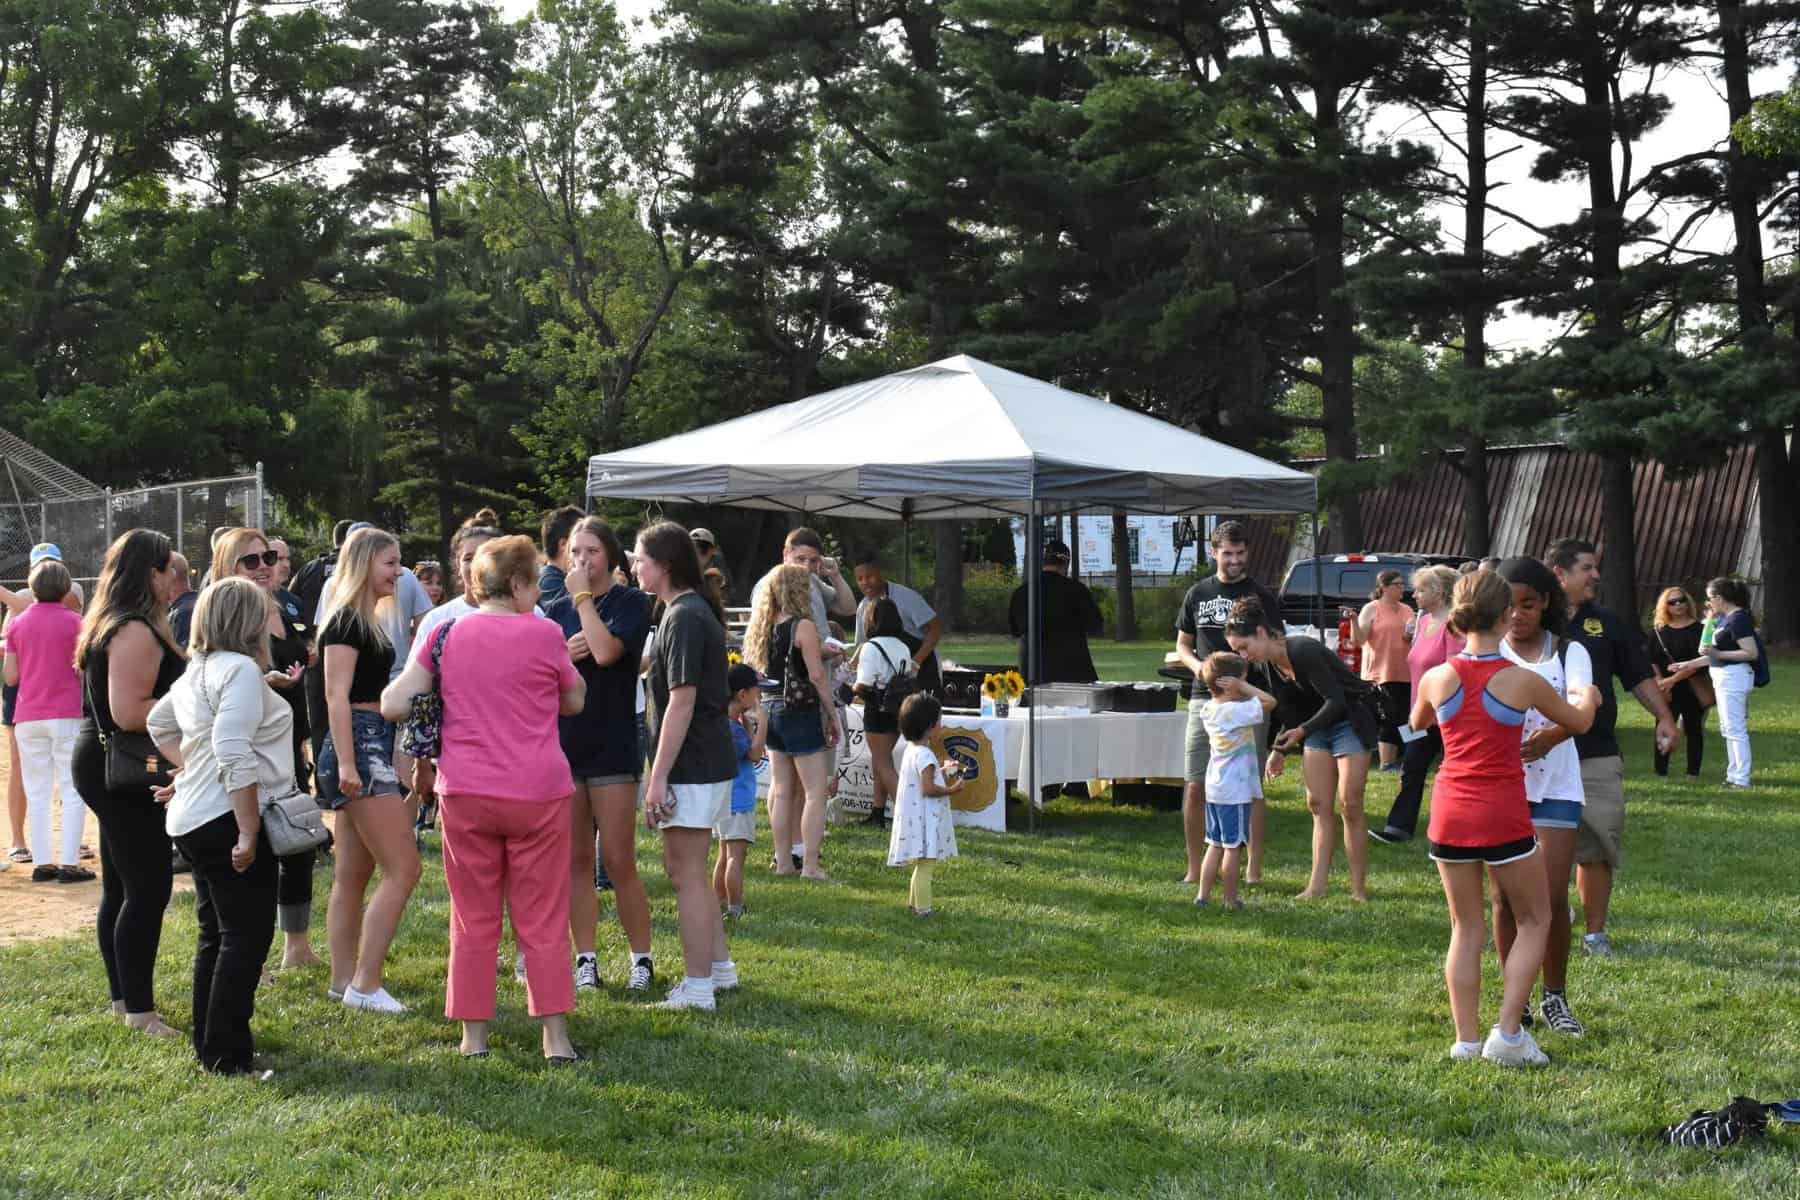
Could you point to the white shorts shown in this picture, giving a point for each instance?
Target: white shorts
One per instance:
(698, 805)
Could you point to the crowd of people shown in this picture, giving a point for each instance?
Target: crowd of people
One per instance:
(180, 716)
(1531, 784)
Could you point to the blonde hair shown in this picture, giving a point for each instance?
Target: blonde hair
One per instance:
(498, 562)
(1442, 576)
(786, 592)
(350, 585)
(231, 546)
(1480, 601)
(232, 615)
(1662, 606)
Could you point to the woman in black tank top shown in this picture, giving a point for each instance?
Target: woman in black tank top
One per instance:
(128, 660)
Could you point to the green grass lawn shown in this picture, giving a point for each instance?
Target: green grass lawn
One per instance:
(1070, 1025)
(1113, 660)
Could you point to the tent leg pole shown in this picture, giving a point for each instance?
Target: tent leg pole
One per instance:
(906, 549)
(1034, 653)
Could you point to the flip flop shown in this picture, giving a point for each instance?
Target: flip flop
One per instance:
(20, 854)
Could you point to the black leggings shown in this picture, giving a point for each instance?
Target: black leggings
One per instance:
(295, 891)
(1686, 706)
(135, 876)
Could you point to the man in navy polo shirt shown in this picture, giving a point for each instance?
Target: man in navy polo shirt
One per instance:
(1616, 647)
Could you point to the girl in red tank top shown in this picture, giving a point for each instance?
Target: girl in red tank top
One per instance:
(1480, 821)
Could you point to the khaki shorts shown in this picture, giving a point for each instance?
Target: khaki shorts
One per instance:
(1601, 837)
(698, 805)
(736, 827)
(1199, 746)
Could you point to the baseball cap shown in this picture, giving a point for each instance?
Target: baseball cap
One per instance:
(356, 525)
(1055, 550)
(704, 536)
(44, 550)
(742, 676)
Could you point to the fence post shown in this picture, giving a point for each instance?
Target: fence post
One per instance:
(256, 516)
(107, 522)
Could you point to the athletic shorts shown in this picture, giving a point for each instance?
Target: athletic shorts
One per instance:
(698, 805)
(1556, 814)
(1602, 835)
(736, 827)
(1227, 825)
(1493, 856)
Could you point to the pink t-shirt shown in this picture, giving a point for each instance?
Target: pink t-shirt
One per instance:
(503, 675)
(43, 639)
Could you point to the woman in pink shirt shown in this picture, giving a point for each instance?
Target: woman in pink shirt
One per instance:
(40, 661)
(503, 790)
(1433, 643)
(1383, 629)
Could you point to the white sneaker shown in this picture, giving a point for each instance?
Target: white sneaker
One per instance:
(587, 973)
(680, 997)
(1463, 1051)
(375, 1001)
(725, 977)
(1522, 1053)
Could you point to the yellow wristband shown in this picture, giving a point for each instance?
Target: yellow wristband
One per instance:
(580, 596)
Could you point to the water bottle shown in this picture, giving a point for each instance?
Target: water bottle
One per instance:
(1707, 629)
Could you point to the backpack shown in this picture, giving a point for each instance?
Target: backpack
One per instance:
(797, 691)
(888, 698)
(309, 585)
(1759, 670)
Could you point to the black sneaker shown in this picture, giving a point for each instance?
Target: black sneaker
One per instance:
(643, 976)
(1387, 835)
(1558, 1015)
(1525, 1018)
(799, 862)
(74, 875)
(43, 874)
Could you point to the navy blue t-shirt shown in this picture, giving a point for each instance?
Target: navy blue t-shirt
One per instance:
(1616, 649)
(602, 738)
(1733, 630)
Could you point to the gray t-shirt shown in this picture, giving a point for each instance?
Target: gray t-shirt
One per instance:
(822, 594)
(689, 651)
(915, 612)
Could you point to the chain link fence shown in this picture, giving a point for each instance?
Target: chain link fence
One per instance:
(84, 526)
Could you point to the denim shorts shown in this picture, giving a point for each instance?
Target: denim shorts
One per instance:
(374, 738)
(1341, 740)
(795, 733)
(1556, 814)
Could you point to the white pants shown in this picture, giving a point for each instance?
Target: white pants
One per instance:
(1732, 683)
(45, 748)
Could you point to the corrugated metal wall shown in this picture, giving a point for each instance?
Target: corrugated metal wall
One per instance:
(1688, 530)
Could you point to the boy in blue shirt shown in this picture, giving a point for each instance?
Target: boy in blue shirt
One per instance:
(737, 829)
(1233, 770)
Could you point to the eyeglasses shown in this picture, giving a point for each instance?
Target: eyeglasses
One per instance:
(267, 558)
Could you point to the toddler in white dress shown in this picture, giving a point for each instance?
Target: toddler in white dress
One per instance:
(922, 830)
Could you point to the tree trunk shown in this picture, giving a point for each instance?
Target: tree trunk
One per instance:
(1125, 608)
(1778, 494)
(948, 572)
(1477, 527)
(1337, 327)
(1618, 566)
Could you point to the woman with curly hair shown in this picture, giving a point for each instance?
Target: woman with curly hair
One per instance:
(783, 643)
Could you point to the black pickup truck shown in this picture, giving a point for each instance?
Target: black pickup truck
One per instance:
(1316, 588)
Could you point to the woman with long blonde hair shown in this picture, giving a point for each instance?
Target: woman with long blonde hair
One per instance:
(1674, 655)
(781, 642)
(128, 659)
(356, 774)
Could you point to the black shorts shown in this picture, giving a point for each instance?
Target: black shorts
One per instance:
(876, 721)
(1493, 856)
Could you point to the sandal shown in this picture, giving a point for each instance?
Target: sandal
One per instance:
(20, 854)
(565, 1060)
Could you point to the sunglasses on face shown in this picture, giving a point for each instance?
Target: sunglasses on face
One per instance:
(1678, 603)
(267, 558)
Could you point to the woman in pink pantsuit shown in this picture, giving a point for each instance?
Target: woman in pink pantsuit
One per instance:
(503, 791)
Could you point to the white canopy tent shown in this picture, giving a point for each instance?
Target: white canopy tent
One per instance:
(954, 439)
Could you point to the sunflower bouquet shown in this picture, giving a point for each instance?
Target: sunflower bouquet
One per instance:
(1003, 687)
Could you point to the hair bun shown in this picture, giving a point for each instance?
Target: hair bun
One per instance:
(486, 517)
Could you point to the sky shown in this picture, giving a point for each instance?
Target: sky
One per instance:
(1696, 121)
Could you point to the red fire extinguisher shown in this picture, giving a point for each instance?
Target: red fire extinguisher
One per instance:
(1347, 648)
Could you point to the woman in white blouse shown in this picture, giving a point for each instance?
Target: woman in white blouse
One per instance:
(232, 737)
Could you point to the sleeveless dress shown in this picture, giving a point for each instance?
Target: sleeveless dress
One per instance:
(1478, 807)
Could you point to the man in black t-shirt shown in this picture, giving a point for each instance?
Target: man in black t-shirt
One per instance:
(1200, 631)
(1616, 648)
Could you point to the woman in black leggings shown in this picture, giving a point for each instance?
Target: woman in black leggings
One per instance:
(128, 660)
(1675, 639)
